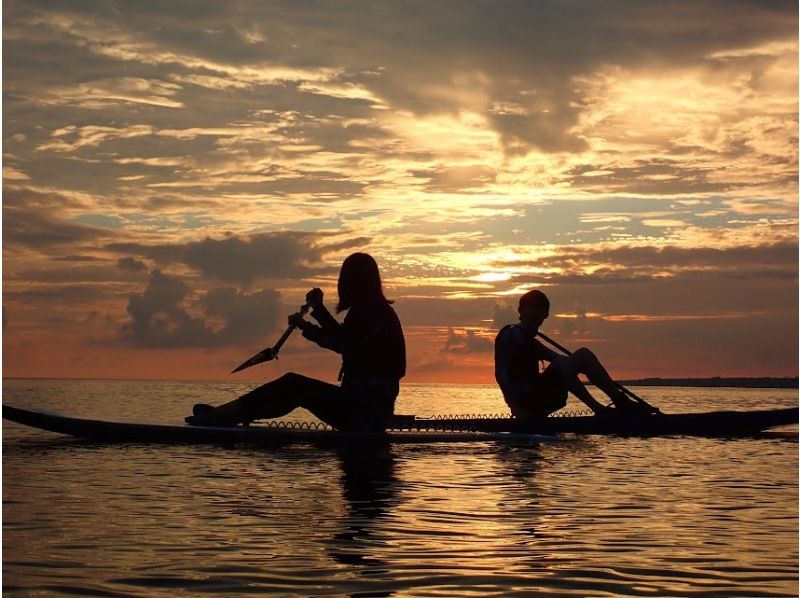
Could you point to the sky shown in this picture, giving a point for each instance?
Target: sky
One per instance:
(177, 175)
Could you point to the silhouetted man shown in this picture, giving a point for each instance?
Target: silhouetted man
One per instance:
(531, 393)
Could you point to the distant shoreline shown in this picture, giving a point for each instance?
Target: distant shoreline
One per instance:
(716, 382)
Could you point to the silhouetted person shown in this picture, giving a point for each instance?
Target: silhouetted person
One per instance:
(531, 393)
(371, 342)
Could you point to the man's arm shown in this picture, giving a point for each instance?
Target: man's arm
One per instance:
(544, 353)
(512, 381)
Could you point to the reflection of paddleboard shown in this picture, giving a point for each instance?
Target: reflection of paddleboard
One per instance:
(128, 431)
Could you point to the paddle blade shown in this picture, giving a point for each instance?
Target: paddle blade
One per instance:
(265, 355)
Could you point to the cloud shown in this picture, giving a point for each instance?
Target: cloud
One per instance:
(624, 264)
(469, 342)
(246, 316)
(37, 229)
(243, 260)
(503, 315)
(33, 198)
(158, 320)
(456, 178)
(507, 60)
(102, 93)
(81, 273)
(77, 258)
(72, 138)
(615, 153)
(160, 315)
(131, 265)
(657, 177)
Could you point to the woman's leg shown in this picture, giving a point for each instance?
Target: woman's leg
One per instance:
(285, 394)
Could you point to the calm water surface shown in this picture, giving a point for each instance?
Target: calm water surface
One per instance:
(591, 516)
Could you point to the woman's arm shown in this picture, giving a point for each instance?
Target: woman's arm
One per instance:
(328, 334)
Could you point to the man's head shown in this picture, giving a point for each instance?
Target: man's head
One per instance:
(534, 307)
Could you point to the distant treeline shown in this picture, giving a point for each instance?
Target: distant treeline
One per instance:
(717, 381)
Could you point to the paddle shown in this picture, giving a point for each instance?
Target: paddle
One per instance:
(618, 385)
(271, 353)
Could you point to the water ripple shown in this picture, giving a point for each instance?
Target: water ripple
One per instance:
(586, 517)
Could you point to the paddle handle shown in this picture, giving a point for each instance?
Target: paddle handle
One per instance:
(628, 392)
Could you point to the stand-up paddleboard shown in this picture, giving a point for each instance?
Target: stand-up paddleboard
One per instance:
(416, 430)
(713, 423)
(279, 433)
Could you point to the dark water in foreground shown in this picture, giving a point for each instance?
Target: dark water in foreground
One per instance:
(590, 516)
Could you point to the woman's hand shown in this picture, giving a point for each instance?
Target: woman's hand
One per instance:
(314, 298)
(297, 321)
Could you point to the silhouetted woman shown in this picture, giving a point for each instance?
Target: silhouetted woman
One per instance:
(371, 342)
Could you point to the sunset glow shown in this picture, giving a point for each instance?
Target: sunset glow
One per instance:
(176, 178)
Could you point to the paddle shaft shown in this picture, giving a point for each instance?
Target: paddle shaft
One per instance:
(288, 332)
(566, 351)
(271, 353)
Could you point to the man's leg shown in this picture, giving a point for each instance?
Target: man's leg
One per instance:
(578, 388)
(587, 363)
(583, 361)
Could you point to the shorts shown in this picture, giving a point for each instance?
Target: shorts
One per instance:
(548, 395)
(370, 401)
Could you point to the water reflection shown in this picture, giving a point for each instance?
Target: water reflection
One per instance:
(586, 516)
(523, 494)
(370, 491)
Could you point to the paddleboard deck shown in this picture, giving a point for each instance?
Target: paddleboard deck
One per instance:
(415, 430)
(148, 432)
(713, 423)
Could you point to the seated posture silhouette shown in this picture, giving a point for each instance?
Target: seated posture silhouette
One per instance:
(371, 342)
(530, 393)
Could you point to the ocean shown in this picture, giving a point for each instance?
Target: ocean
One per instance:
(584, 516)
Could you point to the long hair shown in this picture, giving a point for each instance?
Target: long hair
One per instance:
(359, 282)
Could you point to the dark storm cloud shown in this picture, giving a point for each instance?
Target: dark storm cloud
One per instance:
(160, 315)
(243, 260)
